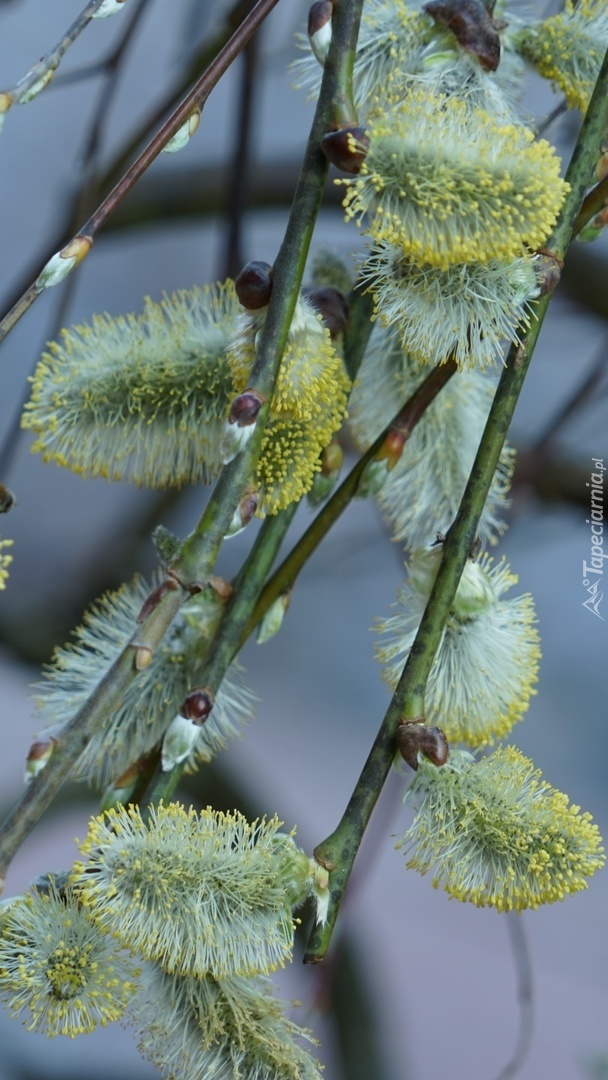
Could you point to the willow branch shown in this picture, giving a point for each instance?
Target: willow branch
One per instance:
(83, 239)
(338, 851)
(196, 558)
(226, 641)
(41, 73)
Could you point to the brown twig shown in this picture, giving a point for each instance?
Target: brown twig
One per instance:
(194, 99)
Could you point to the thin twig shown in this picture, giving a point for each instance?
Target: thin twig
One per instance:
(80, 201)
(42, 72)
(283, 579)
(525, 994)
(338, 852)
(544, 125)
(194, 99)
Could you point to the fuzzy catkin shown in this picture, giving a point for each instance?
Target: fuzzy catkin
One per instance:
(449, 185)
(139, 397)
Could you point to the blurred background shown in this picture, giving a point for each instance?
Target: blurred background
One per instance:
(416, 988)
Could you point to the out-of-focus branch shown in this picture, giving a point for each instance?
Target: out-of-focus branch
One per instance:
(74, 252)
(41, 73)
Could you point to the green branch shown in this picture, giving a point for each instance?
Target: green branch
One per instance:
(339, 850)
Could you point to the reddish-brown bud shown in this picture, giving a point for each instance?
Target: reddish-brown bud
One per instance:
(332, 307)
(245, 408)
(416, 738)
(167, 585)
(197, 705)
(548, 269)
(391, 449)
(471, 25)
(320, 13)
(7, 499)
(346, 148)
(254, 285)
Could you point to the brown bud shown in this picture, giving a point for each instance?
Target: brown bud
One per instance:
(248, 506)
(346, 148)
(245, 408)
(471, 25)
(222, 588)
(167, 585)
(254, 285)
(7, 499)
(143, 656)
(416, 738)
(391, 449)
(548, 269)
(197, 705)
(77, 249)
(332, 307)
(320, 13)
(40, 749)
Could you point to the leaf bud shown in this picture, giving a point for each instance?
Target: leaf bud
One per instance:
(472, 26)
(332, 307)
(391, 449)
(62, 262)
(36, 87)
(143, 657)
(243, 513)
(7, 499)
(319, 28)
(245, 408)
(223, 589)
(38, 756)
(254, 285)
(272, 621)
(346, 148)
(416, 738)
(548, 270)
(107, 8)
(325, 481)
(184, 133)
(197, 705)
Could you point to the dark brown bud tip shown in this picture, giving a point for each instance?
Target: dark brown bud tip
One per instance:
(245, 408)
(254, 285)
(471, 25)
(346, 148)
(248, 506)
(167, 585)
(41, 748)
(548, 269)
(7, 499)
(197, 705)
(320, 13)
(332, 307)
(416, 738)
(391, 449)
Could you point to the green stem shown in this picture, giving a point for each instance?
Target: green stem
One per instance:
(405, 421)
(225, 644)
(339, 850)
(199, 551)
